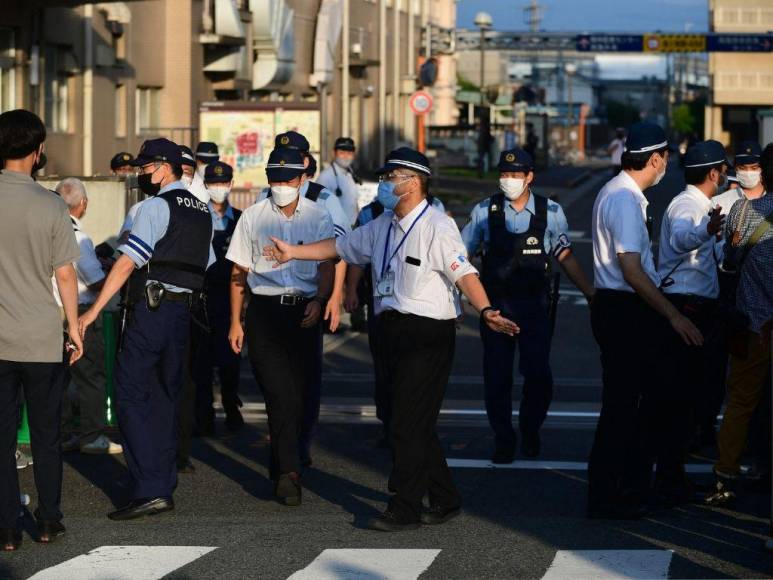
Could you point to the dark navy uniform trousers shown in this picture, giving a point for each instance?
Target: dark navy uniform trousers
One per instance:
(534, 364)
(149, 377)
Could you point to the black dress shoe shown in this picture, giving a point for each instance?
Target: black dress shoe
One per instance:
(10, 540)
(186, 466)
(146, 506)
(503, 455)
(388, 522)
(530, 444)
(436, 515)
(49, 531)
(288, 489)
(233, 418)
(616, 511)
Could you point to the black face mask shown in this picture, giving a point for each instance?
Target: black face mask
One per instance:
(146, 186)
(40, 163)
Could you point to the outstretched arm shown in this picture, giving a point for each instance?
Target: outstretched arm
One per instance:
(471, 287)
(282, 252)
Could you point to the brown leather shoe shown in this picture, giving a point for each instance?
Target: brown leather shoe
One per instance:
(10, 540)
(288, 489)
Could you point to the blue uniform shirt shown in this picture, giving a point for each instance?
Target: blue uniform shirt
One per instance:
(220, 223)
(556, 241)
(329, 202)
(366, 213)
(149, 227)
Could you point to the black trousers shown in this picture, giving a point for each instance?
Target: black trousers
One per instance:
(626, 330)
(42, 386)
(282, 356)
(418, 353)
(381, 389)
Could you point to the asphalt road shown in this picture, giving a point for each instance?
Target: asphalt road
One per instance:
(521, 522)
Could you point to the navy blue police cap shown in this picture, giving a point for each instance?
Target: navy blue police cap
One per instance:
(161, 149)
(515, 160)
(284, 165)
(292, 140)
(645, 137)
(207, 151)
(406, 158)
(705, 154)
(218, 172)
(187, 156)
(121, 159)
(748, 153)
(344, 144)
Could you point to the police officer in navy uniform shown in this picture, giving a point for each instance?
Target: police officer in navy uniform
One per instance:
(212, 348)
(164, 259)
(519, 232)
(121, 164)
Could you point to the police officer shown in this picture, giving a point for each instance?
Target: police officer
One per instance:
(748, 175)
(340, 178)
(282, 325)
(418, 262)
(206, 153)
(519, 232)
(121, 164)
(188, 165)
(164, 259)
(628, 308)
(211, 349)
(694, 376)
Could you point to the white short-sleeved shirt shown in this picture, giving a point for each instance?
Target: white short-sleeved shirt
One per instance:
(310, 223)
(617, 146)
(620, 226)
(687, 262)
(426, 266)
(88, 267)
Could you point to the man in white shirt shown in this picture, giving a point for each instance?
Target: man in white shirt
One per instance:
(616, 148)
(694, 385)
(339, 178)
(88, 374)
(627, 319)
(419, 264)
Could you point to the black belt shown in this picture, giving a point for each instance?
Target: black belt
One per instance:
(284, 299)
(393, 315)
(178, 296)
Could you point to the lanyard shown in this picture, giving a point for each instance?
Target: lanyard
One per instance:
(385, 263)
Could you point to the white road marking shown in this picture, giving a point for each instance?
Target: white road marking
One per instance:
(550, 465)
(330, 342)
(574, 234)
(367, 565)
(608, 564)
(125, 563)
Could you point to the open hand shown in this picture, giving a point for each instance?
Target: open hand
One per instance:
(280, 252)
(311, 314)
(333, 313)
(86, 319)
(716, 223)
(236, 337)
(687, 331)
(498, 323)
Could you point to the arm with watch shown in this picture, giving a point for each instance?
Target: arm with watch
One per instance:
(472, 288)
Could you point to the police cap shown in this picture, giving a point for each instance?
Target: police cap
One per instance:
(406, 158)
(161, 149)
(645, 137)
(187, 156)
(344, 144)
(292, 140)
(218, 172)
(284, 165)
(121, 159)
(748, 153)
(207, 151)
(515, 160)
(705, 154)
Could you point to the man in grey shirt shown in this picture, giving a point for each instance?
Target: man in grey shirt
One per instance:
(37, 243)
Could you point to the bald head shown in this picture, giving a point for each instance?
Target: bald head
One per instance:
(73, 192)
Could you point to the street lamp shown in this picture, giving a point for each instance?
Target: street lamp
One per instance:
(570, 69)
(483, 21)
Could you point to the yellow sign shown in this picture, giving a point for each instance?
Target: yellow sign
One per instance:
(674, 43)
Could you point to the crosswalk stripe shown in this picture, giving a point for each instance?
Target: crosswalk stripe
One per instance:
(367, 565)
(556, 465)
(608, 564)
(125, 563)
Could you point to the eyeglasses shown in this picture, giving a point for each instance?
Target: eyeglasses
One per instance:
(146, 168)
(393, 176)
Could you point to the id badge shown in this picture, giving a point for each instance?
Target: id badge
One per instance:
(386, 284)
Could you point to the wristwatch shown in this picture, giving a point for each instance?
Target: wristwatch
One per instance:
(486, 309)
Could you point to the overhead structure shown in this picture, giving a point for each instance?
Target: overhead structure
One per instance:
(273, 42)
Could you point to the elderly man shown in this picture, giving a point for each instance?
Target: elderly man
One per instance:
(88, 374)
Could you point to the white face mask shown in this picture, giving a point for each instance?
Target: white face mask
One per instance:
(187, 180)
(749, 179)
(218, 193)
(283, 195)
(344, 162)
(512, 187)
(659, 176)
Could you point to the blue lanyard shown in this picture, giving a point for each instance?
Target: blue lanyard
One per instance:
(385, 263)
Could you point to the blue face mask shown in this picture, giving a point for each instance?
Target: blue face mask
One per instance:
(386, 195)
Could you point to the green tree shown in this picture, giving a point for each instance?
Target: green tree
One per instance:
(683, 120)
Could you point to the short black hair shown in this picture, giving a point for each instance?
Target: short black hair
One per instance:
(697, 175)
(638, 161)
(766, 165)
(177, 170)
(21, 133)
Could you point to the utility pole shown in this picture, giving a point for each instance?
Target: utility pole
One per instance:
(532, 16)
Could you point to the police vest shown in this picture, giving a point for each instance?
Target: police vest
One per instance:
(516, 265)
(180, 257)
(219, 274)
(312, 192)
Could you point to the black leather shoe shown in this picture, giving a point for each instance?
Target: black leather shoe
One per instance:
(146, 506)
(49, 531)
(288, 489)
(387, 522)
(616, 511)
(503, 455)
(233, 418)
(10, 540)
(436, 515)
(186, 466)
(530, 444)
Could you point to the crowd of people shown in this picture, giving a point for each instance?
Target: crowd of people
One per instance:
(200, 280)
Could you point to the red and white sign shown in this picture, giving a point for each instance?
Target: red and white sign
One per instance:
(420, 102)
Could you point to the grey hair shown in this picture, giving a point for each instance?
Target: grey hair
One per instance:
(72, 191)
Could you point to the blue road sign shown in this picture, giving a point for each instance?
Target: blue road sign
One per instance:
(739, 43)
(610, 42)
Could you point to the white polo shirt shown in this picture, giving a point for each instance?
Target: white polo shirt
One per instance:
(426, 266)
(687, 262)
(88, 267)
(310, 223)
(620, 226)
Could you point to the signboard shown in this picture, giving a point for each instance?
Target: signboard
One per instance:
(661, 43)
(245, 136)
(674, 43)
(739, 43)
(420, 102)
(609, 42)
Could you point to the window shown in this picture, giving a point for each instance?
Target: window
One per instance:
(57, 88)
(121, 112)
(147, 109)
(7, 72)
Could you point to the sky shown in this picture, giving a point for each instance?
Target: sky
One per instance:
(600, 16)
